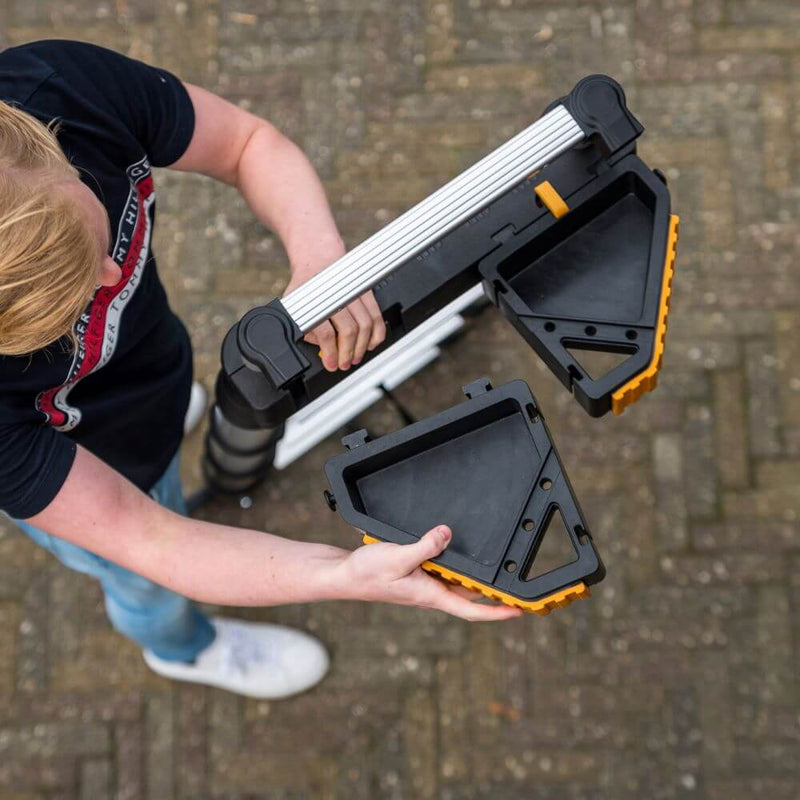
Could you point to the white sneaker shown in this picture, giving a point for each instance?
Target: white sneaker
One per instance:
(198, 400)
(253, 659)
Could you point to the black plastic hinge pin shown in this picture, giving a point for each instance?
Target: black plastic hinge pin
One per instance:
(330, 500)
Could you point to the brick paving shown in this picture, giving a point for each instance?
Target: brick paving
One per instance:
(679, 678)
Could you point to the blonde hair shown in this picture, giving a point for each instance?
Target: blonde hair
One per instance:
(48, 253)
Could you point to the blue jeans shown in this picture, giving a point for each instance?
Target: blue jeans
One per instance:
(156, 618)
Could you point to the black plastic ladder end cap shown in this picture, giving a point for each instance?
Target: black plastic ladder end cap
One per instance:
(267, 339)
(598, 105)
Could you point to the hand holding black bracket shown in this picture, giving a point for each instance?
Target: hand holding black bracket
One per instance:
(488, 469)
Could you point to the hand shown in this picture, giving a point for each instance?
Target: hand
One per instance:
(350, 333)
(391, 573)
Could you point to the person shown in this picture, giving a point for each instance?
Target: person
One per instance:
(96, 369)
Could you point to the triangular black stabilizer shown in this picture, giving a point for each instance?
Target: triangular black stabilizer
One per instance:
(595, 279)
(488, 469)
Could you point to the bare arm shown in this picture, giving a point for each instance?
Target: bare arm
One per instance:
(283, 191)
(101, 511)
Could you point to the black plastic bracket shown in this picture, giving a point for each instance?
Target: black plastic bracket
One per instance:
(591, 280)
(267, 337)
(269, 372)
(488, 468)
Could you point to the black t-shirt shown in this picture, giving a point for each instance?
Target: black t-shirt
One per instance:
(123, 393)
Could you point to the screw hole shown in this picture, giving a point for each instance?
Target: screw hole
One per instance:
(511, 566)
(631, 334)
(590, 330)
(549, 326)
(528, 524)
(546, 483)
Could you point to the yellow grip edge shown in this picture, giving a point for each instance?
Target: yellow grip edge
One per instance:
(646, 380)
(542, 606)
(554, 202)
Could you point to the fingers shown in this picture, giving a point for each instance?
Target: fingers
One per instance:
(410, 556)
(346, 335)
(464, 603)
(391, 572)
(464, 608)
(378, 325)
(364, 321)
(462, 591)
(343, 340)
(325, 337)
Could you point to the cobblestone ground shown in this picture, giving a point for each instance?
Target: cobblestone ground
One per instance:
(679, 678)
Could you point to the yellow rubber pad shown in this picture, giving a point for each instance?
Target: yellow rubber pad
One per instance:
(542, 606)
(553, 201)
(646, 380)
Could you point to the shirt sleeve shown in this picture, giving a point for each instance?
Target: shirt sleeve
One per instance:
(34, 463)
(151, 102)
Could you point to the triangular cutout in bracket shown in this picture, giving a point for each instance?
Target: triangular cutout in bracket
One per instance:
(596, 362)
(555, 547)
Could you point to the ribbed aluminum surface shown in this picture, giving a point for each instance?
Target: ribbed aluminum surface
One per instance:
(425, 223)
